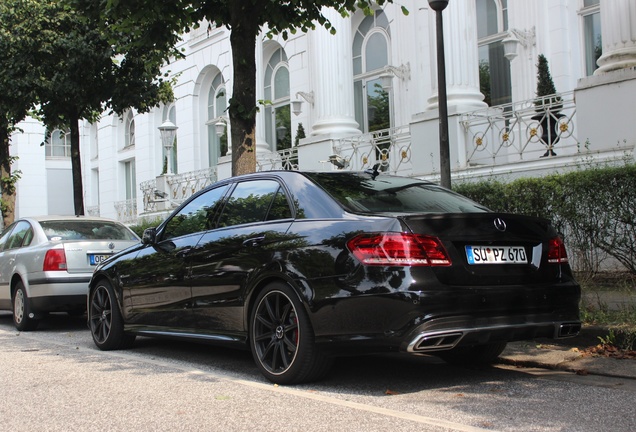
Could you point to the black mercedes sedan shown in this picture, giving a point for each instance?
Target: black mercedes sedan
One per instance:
(302, 267)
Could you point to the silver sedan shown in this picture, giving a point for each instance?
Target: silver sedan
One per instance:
(46, 263)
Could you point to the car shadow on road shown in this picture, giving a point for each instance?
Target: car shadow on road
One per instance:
(380, 374)
(56, 321)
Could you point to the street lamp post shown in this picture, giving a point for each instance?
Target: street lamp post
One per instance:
(444, 152)
(168, 132)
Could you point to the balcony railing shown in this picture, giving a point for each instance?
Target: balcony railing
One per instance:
(179, 187)
(286, 159)
(126, 211)
(92, 210)
(390, 148)
(520, 131)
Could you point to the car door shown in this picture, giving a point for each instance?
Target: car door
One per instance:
(254, 221)
(6, 269)
(159, 287)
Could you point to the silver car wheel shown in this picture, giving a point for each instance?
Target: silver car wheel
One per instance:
(23, 317)
(18, 306)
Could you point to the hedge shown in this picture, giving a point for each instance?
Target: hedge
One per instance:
(594, 210)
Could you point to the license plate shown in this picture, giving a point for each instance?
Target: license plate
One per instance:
(496, 255)
(95, 259)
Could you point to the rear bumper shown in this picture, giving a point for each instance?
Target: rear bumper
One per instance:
(59, 304)
(439, 335)
(59, 294)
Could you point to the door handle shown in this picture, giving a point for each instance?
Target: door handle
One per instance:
(184, 252)
(254, 241)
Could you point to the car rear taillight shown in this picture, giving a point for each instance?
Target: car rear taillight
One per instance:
(55, 260)
(556, 251)
(399, 249)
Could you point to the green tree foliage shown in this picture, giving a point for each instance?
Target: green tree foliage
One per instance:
(77, 69)
(300, 134)
(17, 96)
(593, 208)
(148, 22)
(379, 105)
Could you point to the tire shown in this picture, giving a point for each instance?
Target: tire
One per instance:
(22, 314)
(105, 320)
(475, 355)
(282, 339)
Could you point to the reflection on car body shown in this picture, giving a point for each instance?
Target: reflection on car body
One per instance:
(303, 267)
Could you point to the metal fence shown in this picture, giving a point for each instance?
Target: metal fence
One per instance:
(180, 187)
(390, 149)
(528, 130)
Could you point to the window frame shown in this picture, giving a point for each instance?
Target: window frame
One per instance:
(50, 146)
(129, 130)
(277, 107)
(367, 29)
(218, 146)
(492, 42)
(586, 12)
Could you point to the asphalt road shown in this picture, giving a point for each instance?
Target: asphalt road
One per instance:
(54, 379)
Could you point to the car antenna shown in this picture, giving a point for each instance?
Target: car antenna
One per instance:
(373, 172)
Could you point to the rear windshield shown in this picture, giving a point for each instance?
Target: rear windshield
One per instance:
(360, 193)
(86, 230)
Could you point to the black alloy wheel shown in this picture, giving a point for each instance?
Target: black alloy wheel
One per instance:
(105, 320)
(22, 318)
(282, 340)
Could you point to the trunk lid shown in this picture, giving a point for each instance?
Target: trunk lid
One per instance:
(490, 248)
(83, 256)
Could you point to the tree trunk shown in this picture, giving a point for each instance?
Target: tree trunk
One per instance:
(76, 165)
(243, 101)
(7, 179)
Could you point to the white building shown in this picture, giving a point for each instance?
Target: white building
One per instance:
(343, 82)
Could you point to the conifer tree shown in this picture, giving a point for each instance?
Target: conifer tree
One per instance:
(545, 85)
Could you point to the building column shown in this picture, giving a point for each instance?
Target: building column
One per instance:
(333, 78)
(618, 21)
(461, 56)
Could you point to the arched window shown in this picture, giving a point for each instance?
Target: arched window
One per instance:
(494, 68)
(58, 144)
(278, 113)
(170, 113)
(129, 137)
(217, 107)
(370, 58)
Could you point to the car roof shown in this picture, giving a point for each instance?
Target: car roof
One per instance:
(66, 218)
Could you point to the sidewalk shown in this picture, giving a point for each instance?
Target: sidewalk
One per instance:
(569, 355)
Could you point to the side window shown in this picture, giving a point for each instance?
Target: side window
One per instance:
(5, 236)
(280, 207)
(250, 202)
(196, 216)
(21, 231)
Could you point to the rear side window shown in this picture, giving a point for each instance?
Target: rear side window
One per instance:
(255, 201)
(86, 230)
(20, 233)
(5, 235)
(365, 194)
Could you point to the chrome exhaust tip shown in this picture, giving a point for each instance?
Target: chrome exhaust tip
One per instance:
(434, 341)
(567, 330)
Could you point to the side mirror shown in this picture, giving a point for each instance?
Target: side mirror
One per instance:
(150, 236)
